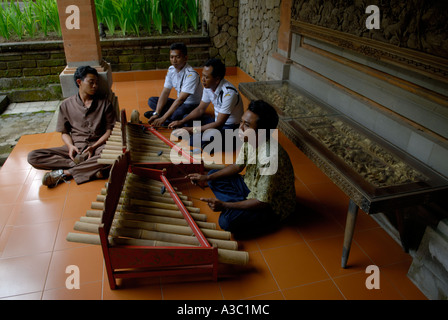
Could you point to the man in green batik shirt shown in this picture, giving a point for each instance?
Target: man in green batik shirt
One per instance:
(266, 195)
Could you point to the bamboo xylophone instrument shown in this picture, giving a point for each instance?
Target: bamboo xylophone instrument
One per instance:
(138, 227)
(147, 145)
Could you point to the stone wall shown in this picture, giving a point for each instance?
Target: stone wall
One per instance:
(222, 20)
(152, 53)
(29, 71)
(259, 22)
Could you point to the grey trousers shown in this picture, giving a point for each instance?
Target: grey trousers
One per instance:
(58, 158)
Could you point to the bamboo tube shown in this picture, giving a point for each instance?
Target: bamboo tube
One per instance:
(152, 190)
(113, 147)
(134, 193)
(112, 151)
(146, 154)
(146, 203)
(129, 229)
(147, 140)
(134, 177)
(135, 146)
(106, 161)
(120, 224)
(161, 227)
(97, 214)
(224, 256)
(114, 143)
(155, 211)
(106, 155)
(116, 138)
(149, 218)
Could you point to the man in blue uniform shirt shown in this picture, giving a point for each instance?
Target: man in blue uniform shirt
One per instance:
(226, 101)
(187, 83)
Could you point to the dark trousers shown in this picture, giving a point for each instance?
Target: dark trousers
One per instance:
(206, 137)
(238, 221)
(58, 158)
(181, 111)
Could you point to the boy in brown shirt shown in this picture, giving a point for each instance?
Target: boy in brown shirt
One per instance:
(85, 122)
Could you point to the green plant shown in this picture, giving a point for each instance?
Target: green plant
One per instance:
(128, 16)
(4, 20)
(51, 8)
(29, 19)
(192, 12)
(37, 17)
(120, 13)
(15, 19)
(156, 15)
(108, 15)
(40, 12)
(145, 14)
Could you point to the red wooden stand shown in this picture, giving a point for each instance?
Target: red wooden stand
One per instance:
(123, 261)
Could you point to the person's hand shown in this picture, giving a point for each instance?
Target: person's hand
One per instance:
(159, 122)
(175, 124)
(89, 151)
(196, 178)
(214, 204)
(72, 151)
(152, 119)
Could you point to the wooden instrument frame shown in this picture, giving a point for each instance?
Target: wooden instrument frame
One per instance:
(123, 261)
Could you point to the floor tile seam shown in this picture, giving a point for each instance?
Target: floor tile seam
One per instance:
(65, 287)
(263, 294)
(19, 198)
(34, 223)
(23, 225)
(326, 271)
(270, 271)
(392, 283)
(389, 281)
(281, 246)
(22, 294)
(103, 275)
(357, 232)
(327, 238)
(221, 291)
(55, 241)
(312, 283)
(309, 190)
(48, 267)
(5, 233)
(52, 248)
(18, 256)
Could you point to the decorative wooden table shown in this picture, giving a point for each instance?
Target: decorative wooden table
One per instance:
(377, 176)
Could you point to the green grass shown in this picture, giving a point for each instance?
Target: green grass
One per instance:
(40, 17)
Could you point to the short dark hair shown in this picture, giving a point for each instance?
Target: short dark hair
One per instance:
(83, 71)
(219, 68)
(267, 115)
(180, 46)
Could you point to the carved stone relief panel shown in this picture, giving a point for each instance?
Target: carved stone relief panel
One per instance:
(420, 25)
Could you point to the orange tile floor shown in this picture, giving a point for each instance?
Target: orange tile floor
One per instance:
(301, 260)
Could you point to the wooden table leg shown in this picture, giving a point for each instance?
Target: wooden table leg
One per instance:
(352, 213)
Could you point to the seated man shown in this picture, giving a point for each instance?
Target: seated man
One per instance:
(187, 83)
(85, 122)
(266, 195)
(226, 100)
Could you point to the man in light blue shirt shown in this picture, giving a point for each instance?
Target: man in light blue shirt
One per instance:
(226, 101)
(185, 80)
